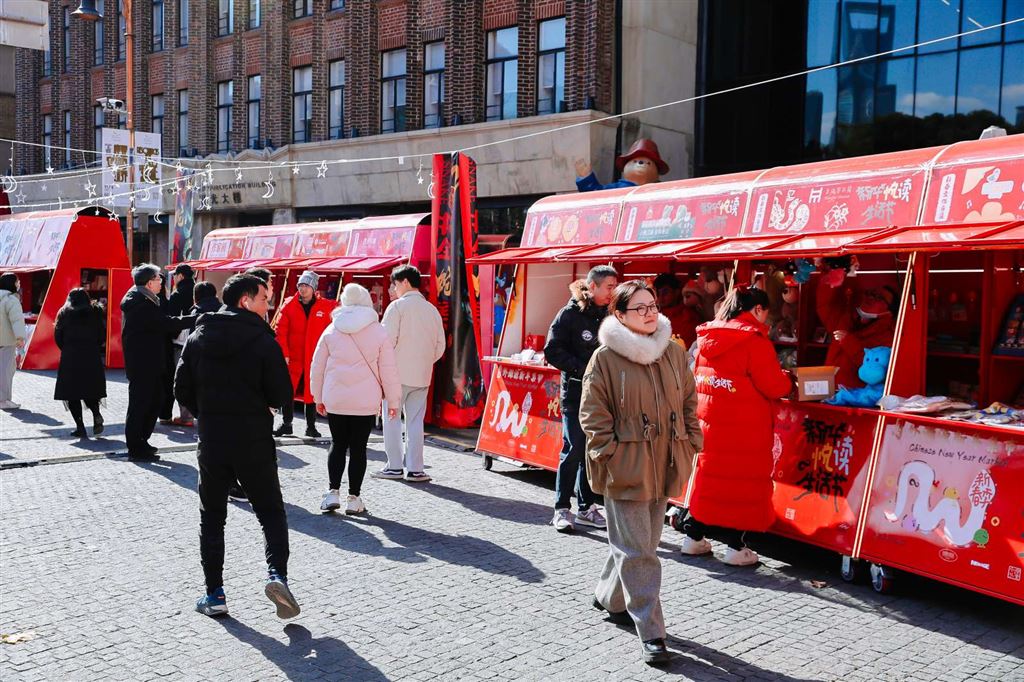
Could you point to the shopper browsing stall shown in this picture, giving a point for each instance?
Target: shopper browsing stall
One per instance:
(79, 332)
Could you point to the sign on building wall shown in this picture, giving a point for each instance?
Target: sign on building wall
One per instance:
(118, 185)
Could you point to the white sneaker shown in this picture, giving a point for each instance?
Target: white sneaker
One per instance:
(741, 557)
(9, 405)
(591, 517)
(693, 547)
(564, 521)
(332, 501)
(354, 506)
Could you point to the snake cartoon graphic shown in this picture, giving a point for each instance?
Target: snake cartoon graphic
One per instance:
(947, 511)
(792, 218)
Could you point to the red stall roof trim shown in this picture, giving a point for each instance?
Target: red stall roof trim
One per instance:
(978, 182)
(34, 240)
(575, 219)
(324, 240)
(359, 264)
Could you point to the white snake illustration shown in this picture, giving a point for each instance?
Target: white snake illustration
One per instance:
(947, 510)
(507, 416)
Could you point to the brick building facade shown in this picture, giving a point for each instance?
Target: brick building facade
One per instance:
(358, 33)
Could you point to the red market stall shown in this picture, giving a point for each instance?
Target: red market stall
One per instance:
(53, 252)
(939, 495)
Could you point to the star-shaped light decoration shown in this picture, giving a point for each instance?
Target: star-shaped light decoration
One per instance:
(43, 187)
(238, 174)
(295, 169)
(90, 188)
(321, 170)
(112, 217)
(20, 196)
(49, 170)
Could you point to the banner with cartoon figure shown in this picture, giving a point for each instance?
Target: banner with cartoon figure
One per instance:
(523, 417)
(949, 505)
(821, 455)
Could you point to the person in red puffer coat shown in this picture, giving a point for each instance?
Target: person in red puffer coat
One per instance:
(302, 321)
(738, 377)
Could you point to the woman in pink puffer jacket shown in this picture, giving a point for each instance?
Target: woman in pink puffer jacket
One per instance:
(353, 370)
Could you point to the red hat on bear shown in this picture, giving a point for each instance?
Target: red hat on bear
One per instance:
(642, 147)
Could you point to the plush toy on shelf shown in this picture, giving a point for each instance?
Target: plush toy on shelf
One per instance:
(640, 165)
(872, 372)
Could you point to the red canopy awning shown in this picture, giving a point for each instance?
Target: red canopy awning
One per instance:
(523, 254)
(359, 264)
(942, 238)
(634, 251)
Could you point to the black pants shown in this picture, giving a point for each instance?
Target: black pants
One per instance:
(254, 463)
(348, 433)
(288, 410)
(145, 397)
(697, 531)
(75, 408)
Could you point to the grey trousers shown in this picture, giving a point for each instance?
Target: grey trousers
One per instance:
(631, 578)
(413, 409)
(8, 363)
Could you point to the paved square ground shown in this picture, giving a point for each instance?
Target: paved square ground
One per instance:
(462, 578)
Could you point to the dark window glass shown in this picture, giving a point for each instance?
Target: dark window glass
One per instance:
(897, 20)
(121, 28)
(225, 17)
(936, 19)
(182, 121)
(1012, 106)
(253, 96)
(433, 85)
(254, 14)
(225, 104)
(935, 88)
(302, 8)
(820, 111)
(97, 129)
(336, 100)
(502, 73)
(67, 39)
(302, 104)
(822, 32)
(158, 25)
(855, 109)
(47, 63)
(67, 139)
(392, 91)
(47, 139)
(97, 49)
(551, 66)
(183, 22)
(158, 115)
(1014, 10)
(977, 14)
(895, 87)
(859, 29)
(337, 4)
(978, 84)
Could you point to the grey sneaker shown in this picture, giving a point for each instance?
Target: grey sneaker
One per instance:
(591, 517)
(277, 591)
(389, 474)
(564, 521)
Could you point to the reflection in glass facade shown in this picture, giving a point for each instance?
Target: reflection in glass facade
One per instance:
(935, 94)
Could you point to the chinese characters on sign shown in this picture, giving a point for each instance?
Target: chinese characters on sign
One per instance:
(118, 185)
(827, 467)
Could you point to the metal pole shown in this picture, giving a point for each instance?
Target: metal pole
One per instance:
(129, 64)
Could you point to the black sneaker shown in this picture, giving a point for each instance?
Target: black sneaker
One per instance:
(617, 617)
(79, 433)
(311, 432)
(283, 430)
(236, 494)
(144, 456)
(655, 652)
(97, 423)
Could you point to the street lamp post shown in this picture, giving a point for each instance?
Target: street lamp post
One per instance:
(88, 12)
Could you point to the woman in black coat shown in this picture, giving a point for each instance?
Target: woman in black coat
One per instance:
(79, 332)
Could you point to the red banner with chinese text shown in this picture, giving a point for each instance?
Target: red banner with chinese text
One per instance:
(523, 417)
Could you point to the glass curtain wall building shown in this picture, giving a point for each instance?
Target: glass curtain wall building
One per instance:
(935, 94)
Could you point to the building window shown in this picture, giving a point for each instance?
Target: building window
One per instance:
(121, 29)
(182, 122)
(47, 138)
(551, 66)
(433, 85)
(302, 103)
(67, 139)
(225, 17)
(67, 39)
(502, 73)
(47, 64)
(302, 8)
(158, 25)
(97, 48)
(182, 23)
(337, 4)
(122, 121)
(254, 14)
(392, 91)
(97, 128)
(253, 95)
(158, 115)
(336, 100)
(225, 102)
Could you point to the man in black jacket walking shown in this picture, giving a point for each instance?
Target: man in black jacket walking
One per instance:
(232, 375)
(146, 332)
(572, 339)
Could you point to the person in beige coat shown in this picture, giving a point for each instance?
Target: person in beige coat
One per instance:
(12, 336)
(639, 413)
(417, 334)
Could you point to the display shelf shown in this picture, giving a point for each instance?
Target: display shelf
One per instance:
(1007, 358)
(951, 354)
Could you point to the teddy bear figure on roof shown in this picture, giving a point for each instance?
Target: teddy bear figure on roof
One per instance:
(640, 165)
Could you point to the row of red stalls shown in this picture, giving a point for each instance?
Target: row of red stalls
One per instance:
(53, 252)
(363, 251)
(886, 490)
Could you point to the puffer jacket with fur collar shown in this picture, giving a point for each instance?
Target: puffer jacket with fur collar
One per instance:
(639, 412)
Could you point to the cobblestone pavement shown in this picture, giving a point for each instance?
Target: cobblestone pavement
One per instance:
(457, 579)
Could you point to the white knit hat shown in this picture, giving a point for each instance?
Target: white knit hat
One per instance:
(310, 278)
(356, 295)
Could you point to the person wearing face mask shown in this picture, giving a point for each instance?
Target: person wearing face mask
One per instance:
(856, 321)
(738, 377)
(639, 413)
(12, 336)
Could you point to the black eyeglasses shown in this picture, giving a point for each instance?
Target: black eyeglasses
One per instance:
(644, 308)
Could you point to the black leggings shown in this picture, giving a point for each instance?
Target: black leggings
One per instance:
(697, 530)
(348, 433)
(288, 409)
(75, 408)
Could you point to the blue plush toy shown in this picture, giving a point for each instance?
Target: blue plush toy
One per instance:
(804, 268)
(872, 372)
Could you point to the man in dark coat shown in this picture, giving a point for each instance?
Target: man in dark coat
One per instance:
(178, 303)
(145, 335)
(572, 339)
(206, 300)
(232, 376)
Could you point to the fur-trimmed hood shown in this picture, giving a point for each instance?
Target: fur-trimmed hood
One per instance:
(353, 318)
(639, 348)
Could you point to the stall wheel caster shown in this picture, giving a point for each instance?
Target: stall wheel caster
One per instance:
(851, 570)
(487, 462)
(882, 578)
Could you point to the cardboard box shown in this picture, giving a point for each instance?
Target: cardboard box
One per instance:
(815, 383)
